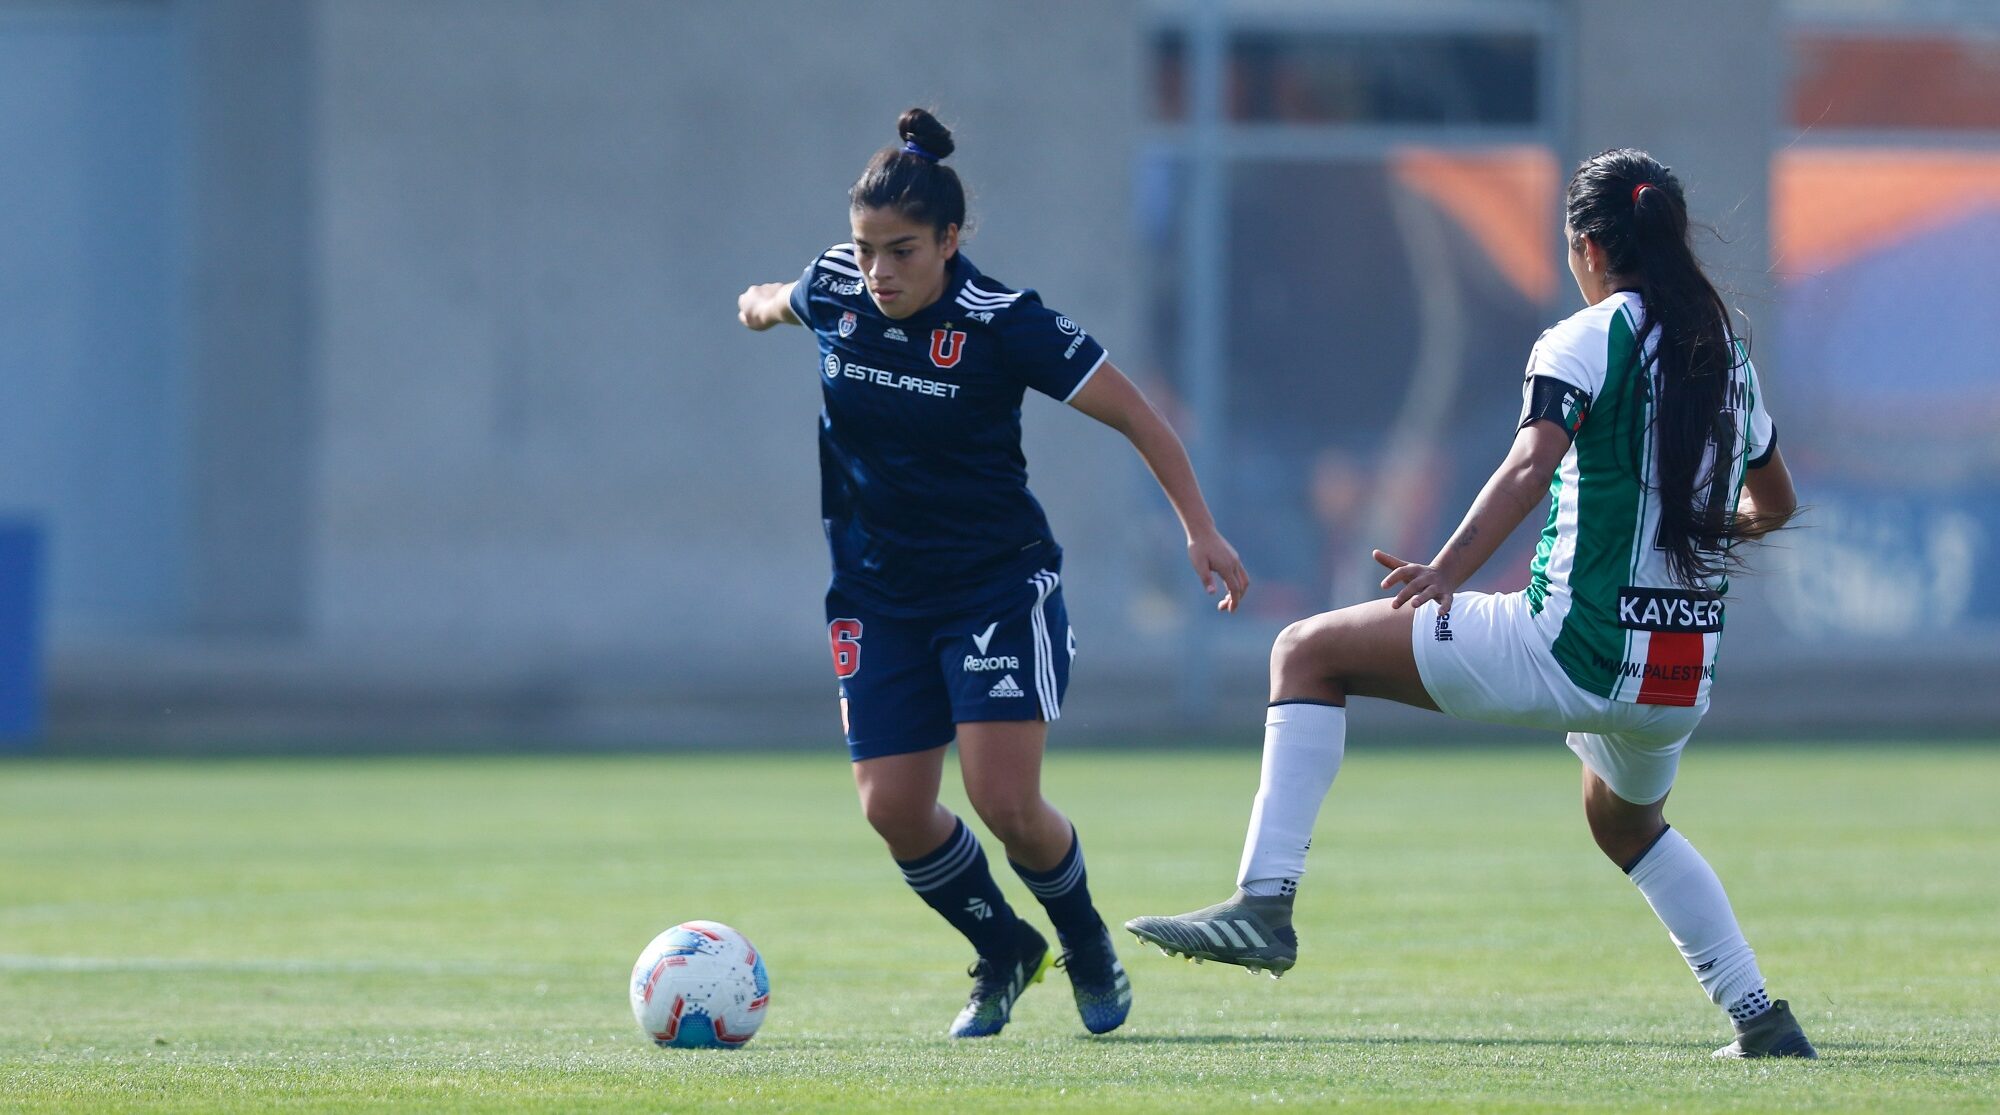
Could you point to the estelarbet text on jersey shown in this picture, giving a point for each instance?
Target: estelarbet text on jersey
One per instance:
(924, 489)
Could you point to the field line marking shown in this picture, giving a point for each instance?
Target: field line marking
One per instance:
(14, 962)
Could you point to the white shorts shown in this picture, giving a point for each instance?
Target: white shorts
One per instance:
(1487, 661)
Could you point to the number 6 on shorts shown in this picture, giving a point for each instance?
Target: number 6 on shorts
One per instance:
(845, 637)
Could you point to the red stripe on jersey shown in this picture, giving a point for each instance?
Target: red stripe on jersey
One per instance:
(1673, 668)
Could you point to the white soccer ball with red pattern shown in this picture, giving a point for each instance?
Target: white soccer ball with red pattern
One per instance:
(700, 985)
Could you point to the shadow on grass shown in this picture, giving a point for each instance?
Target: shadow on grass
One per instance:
(1847, 1052)
(1308, 1041)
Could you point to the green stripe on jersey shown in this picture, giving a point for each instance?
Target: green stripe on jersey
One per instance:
(1538, 570)
(1591, 646)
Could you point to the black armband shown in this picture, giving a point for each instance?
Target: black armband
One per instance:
(1764, 458)
(1553, 400)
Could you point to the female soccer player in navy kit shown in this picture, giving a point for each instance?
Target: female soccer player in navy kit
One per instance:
(1644, 420)
(946, 613)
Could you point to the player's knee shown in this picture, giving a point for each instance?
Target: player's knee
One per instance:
(899, 819)
(1624, 837)
(1009, 815)
(1291, 649)
(1303, 653)
(1623, 848)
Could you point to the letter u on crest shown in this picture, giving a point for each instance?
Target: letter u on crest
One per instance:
(947, 345)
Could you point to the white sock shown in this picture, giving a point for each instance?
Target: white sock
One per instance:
(1303, 745)
(1684, 892)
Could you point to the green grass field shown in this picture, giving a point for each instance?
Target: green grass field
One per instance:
(457, 934)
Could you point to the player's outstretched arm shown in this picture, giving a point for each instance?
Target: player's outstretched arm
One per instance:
(1117, 402)
(766, 304)
(1514, 489)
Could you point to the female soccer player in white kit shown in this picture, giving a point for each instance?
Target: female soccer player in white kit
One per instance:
(1645, 410)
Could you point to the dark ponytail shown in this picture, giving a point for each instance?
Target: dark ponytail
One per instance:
(1634, 209)
(909, 176)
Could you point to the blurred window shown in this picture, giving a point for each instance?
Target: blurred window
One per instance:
(1390, 251)
(1867, 79)
(1365, 76)
(1380, 309)
(1886, 239)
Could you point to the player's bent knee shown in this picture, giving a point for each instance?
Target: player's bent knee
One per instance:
(1011, 818)
(1305, 661)
(898, 819)
(1293, 651)
(1624, 849)
(1623, 839)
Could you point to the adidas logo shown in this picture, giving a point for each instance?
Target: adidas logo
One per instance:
(1006, 687)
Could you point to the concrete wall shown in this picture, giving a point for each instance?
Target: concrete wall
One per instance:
(541, 432)
(92, 308)
(249, 84)
(1700, 84)
(472, 413)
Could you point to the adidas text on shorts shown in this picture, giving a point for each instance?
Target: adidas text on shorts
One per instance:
(906, 683)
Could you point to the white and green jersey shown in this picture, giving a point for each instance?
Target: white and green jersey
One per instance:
(1615, 621)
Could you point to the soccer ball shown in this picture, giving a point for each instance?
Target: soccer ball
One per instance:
(700, 985)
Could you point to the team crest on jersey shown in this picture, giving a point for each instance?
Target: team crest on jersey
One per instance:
(847, 322)
(947, 345)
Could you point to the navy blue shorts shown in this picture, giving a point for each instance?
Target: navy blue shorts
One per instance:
(906, 683)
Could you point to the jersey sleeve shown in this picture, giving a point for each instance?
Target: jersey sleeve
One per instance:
(802, 296)
(1562, 378)
(1046, 350)
(835, 273)
(1572, 352)
(1760, 434)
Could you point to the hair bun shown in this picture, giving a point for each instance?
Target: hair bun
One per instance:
(919, 127)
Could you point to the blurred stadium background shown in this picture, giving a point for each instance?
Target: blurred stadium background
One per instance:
(372, 379)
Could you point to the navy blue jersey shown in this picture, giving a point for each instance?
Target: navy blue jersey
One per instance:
(922, 483)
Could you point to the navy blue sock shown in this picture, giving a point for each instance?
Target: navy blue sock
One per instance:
(955, 881)
(1065, 893)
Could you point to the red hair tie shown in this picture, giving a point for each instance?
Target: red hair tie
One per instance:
(1636, 189)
